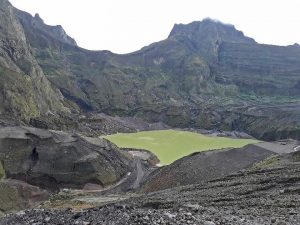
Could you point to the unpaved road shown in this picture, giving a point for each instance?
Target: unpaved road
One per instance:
(280, 147)
(131, 181)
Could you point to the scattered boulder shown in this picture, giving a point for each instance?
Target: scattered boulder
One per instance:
(17, 195)
(148, 157)
(209, 223)
(55, 159)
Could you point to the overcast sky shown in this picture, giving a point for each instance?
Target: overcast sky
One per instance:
(124, 26)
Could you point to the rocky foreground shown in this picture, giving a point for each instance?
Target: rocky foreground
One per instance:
(267, 193)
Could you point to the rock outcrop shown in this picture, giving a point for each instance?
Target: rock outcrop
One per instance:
(56, 32)
(25, 91)
(207, 36)
(17, 195)
(53, 159)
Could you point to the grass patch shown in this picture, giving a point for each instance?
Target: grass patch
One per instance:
(266, 163)
(170, 145)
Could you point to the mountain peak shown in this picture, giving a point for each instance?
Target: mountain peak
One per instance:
(38, 19)
(37, 22)
(37, 16)
(210, 29)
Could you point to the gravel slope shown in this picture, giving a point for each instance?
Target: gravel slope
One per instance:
(263, 195)
(204, 166)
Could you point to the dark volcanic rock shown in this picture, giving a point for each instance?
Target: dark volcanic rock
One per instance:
(17, 195)
(267, 122)
(206, 36)
(201, 73)
(204, 166)
(204, 75)
(56, 32)
(95, 124)
(53, 159)
(259, 195)
(264, 196)
(147, 156)
(108, 215)
(24, 90)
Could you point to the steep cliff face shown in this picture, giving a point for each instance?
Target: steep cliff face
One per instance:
(205, 74)
(260, 69)
(56, 32)
(25, 91)
(239, 60)
(159, 82)
(199, 76)
(206, 37)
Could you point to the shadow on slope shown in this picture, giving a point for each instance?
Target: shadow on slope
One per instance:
(206, 166)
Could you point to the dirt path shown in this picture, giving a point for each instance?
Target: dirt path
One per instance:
(131, 181)
(297, 148)
(280, 147)
(112, 193)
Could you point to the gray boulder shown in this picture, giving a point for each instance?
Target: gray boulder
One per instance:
(55, 159)
(17, 195)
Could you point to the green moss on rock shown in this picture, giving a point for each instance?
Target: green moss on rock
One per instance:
(2, 171)
(266, 163)
(8, 197)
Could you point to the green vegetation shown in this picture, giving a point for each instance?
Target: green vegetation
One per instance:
(2, 172)
(266, 163)
(170, 145)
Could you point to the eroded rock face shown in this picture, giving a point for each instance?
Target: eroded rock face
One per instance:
(52, 159)
(24, 90)
(204, 75)
(56, 32)
(17, 195)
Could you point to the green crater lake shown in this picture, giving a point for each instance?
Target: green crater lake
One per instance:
(170, 145)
